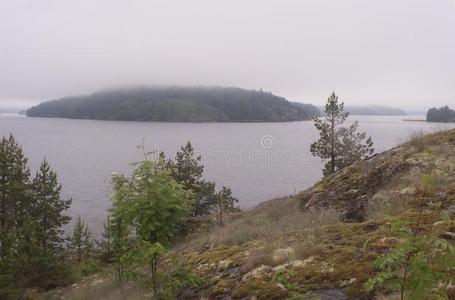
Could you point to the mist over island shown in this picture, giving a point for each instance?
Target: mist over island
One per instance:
(177, 104)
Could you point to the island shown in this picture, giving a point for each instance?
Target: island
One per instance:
(177, 104)
(443, 114)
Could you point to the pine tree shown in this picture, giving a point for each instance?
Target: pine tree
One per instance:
(339, 146)
(187, 170)
(48, 208)
(14, 192)
(31, 216)
(107, 235)
(225, 202)
(81, 240)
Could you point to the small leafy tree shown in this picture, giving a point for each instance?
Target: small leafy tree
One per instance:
(225, 202)
(80, 242)
(154, 205)
(119, 227)
(339, 146)
(421, 264)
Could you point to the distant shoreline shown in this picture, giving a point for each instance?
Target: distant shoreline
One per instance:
(414, 120)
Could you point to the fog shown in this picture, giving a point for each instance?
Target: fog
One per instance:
(397, 53)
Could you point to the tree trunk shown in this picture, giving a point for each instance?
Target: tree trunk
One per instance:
(332, 146)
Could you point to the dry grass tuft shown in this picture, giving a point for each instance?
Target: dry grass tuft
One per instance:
(270, 221)
(94, 290)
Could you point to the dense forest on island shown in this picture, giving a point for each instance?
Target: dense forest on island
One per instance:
(442, 114)
(176, 104)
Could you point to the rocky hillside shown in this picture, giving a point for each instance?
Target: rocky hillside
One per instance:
(321, 243)
(272, 254)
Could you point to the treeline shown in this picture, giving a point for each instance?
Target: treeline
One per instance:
(31, 220)
(151, 208)
(176, 104)
(442, 114)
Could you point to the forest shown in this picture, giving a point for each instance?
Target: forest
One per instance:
(176, 104)
(442, 114)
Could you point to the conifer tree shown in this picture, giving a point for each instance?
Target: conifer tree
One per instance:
(81, 240)
(187, 170)
(339, 146)
(48, 208)
(14, 192)
(107, 235)
(31, 217)
(225, 202)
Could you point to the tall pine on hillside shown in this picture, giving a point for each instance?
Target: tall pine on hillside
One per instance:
(14, 192)
(339, 146)
(48, 208)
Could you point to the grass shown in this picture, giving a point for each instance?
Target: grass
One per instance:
(269, 221)
(95, 288)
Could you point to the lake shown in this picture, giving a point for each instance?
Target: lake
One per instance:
(259, 161)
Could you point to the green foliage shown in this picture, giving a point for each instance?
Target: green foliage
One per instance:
(106, 242)
(339, 146)
(166, 285)
(225, 202)
(420, 265)
(48, 208)
(174, 103)
(426, 260)
(31, 220)
(283, 277)
(154, 203)
(80, 243)
(15, 202)
(154, 206)
(88, 267)
(187, 170)
(176, 280)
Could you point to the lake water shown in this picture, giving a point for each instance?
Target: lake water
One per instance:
(259, 161)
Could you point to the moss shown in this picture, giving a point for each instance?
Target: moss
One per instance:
(222, 287)
(342, 254)
(265, 290)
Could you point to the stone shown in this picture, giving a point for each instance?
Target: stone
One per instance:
(326, 295)
(448, 235)
(223, 265)
(233, 272)
(408, 191)
(259, 272)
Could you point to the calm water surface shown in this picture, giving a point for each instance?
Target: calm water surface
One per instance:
(259, 161)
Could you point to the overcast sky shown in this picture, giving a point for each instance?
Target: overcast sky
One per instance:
(392, 52)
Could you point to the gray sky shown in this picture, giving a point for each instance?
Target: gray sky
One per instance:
(392, 52)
